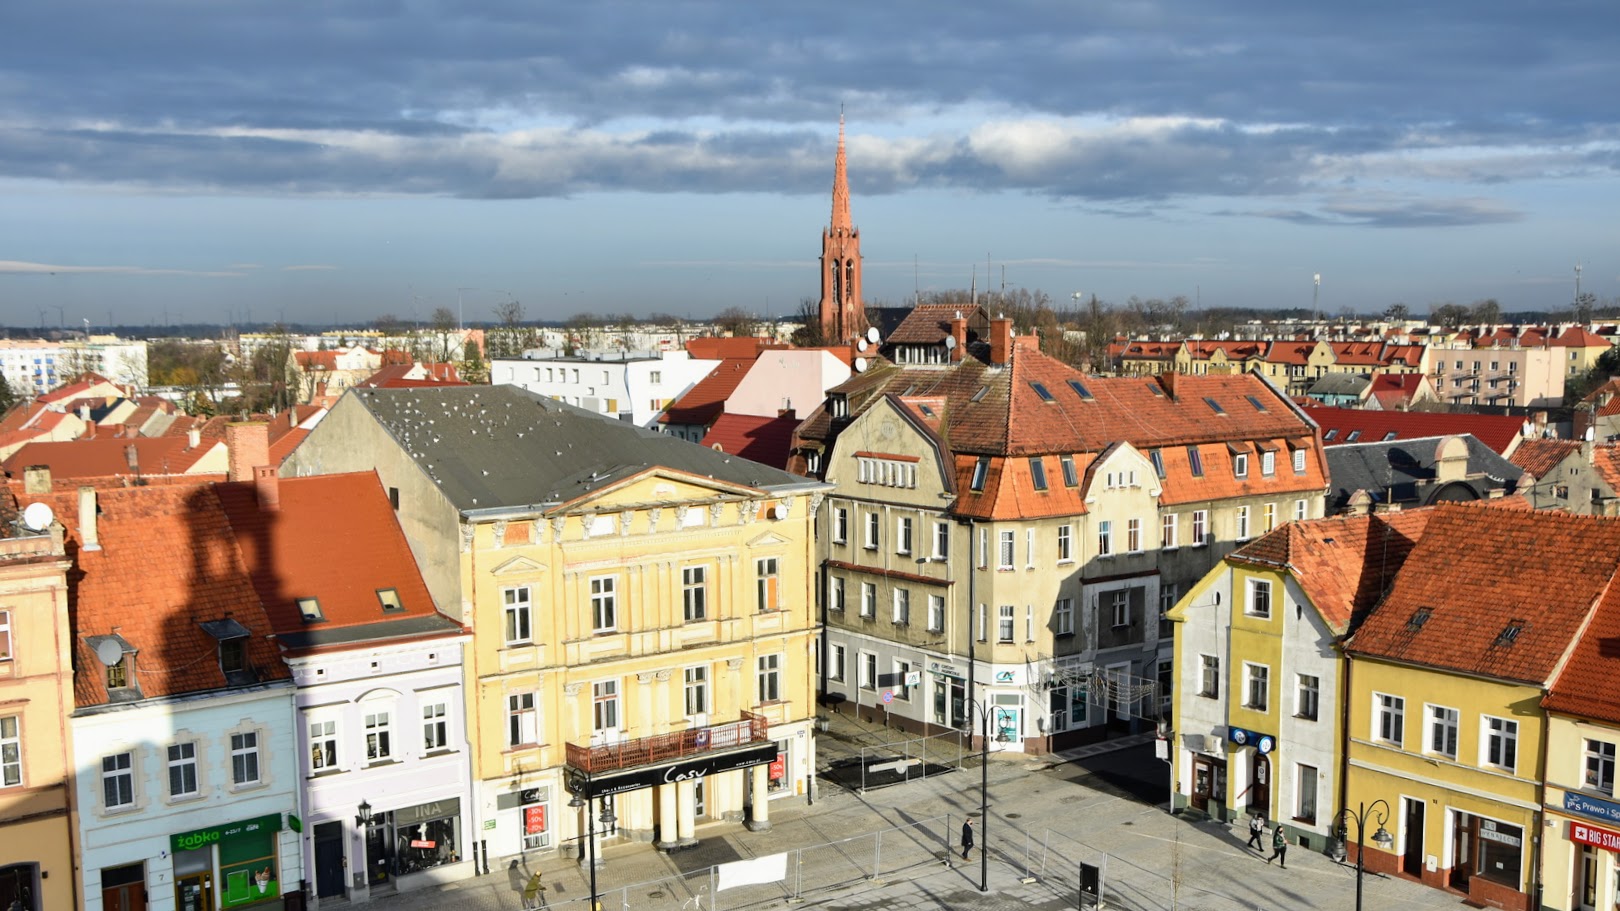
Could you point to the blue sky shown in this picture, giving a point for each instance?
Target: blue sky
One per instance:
(331, 162)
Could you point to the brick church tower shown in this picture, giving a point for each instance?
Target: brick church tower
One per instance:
(842, 315)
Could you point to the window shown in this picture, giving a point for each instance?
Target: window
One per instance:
(1500, 746)
(984, 546)
(1105, 538)
(245, 758)
(1041, 390)
(1157, 458)
(1599, 765)
(1065, 543)
(1200, 527)
(1259, 600)
(1195, 461)
(1071, 478)
(942, 540)
(695, 593)
(604, 604)
(1240, 465)
(10, 751)
(836, 601)
(835, 663)
(770, 678)
(388, 598)
(1268, 463)
(1299, 461)
(435, 726)
(1305, 781)
(1133, 535)
(1268, 516)
(379, 739)
(868, 599)
(1243, 523)
(697, 688)
(1119, 607)
(1389, 717)
(768, 583)
(901, 691)
(517, 614)
(902, 606)
(1257, 686)
(5, 635)
(870, 541)
(182, 770)
(981, 470)
(1063, 617)
(1300, 508)
(1307, 696)
(1169, 594)
(902, 534)
(1004, 623)
(1037, 472)
(1008, 541)
(1029, 548)
(1209, 677)
(118, 675)
(1167, 531)
(522, 722)
(936, 613)
(868, 671)
(840, 525)
(310, 610)
(1441, 734)
(655, 377)
(117, 781)
(605, 706)
(322, 745)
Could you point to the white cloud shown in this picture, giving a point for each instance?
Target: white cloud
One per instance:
(16, 267)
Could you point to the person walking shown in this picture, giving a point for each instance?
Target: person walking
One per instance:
(1257, 828)
(1279, 847)
(967, 837)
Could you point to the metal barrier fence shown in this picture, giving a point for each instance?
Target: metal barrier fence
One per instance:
(914, 758)
(1057, 858)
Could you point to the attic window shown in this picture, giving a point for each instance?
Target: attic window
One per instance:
(118, 675)
(1354, 436)
(1081, 390)
(390, 600)
(1157, 458)
(233, 656)
(1258, 405)
(981, 469)
(1214, 405)
(1418, 618)
(909, 390)
(310, 610)
(1042, 391)
(927, 412)
(1071, 478)
(1389, 436)
(1195, 461)
(1328, 437)
(979, 396)
(1037, 472)
(1154, 388)
(1510, 633)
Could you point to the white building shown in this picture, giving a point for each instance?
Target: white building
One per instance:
(32, 367)
(632, 386)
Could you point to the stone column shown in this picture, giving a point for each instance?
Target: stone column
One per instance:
(668, 830)
(686, 813)
(759, 804)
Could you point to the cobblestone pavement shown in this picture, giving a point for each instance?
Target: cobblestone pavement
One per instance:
(1040, 829)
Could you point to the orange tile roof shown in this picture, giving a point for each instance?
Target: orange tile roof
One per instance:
(705, 401)
(745, 347)
(79, 386)
(1537, 456)
(109, 456)
(1500, 432)
(1585, 685)
(1477, 574)
(759, 439)
(1580, 337)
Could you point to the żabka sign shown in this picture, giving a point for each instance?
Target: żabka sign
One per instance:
(1594, 836)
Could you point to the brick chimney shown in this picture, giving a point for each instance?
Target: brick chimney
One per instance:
(267, 483)
(1001, 335)
(959, 332)
(37, 479)
(1168, 380)
(132, 458)
(247, 446)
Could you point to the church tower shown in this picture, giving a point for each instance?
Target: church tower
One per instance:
(842, 315)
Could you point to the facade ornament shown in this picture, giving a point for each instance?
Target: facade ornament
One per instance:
(680, 515)
(733, 664)
(558, 523)
(625, 518)
(539, 531)
(715, 511)
(467, 530)
(663, 674)
(815, 503)
(652, 519)
(748, 512)
(572, 689)
(645, 678)
(500, 533)
(586, 520)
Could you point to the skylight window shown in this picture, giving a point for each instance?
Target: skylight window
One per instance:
(1354, 436)
(1389, 436)
(1258, 405)
(310, 609)
(1196, 461)
(1081, 390)
(1510, 633)
(927, 412)
(1042, 391)
(981, 470)
(979, 396)
(389, 598)
(1418, 618)
(1071, 478)
(1154, 388)
(1037, 472)
(1328, 437)
(1157, 458)
(1214, 406)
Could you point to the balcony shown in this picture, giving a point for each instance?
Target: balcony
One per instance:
(659, 749)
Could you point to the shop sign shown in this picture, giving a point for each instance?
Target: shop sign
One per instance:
(1489, 832)
(1262, 743)
(620, 781)
(1010, 677)
(202, 838)
(423, 843)
(422, 812)
(1591, 806)
(778, 767)
(945, 670)
(1592, 835)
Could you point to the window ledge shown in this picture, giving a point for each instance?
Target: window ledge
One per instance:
(441, 751)
(1306, 717)
(378, 763)
(323, 773)
(1210, 695)
(520, 747)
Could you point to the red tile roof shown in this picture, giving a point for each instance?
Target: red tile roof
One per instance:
(109, 457)
(80, 386)
(705, 401)
(1537, 456)
(1474, 596)
(715, 349)
(1580, 337)
(764, 440)
(1500, 432)
(1585, 686)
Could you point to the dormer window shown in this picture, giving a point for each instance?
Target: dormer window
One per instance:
(310, 610)
(118, 674)
(838, 406)
(233, 641)
(389, 598)
(233, 656)
(981, 470)
(117, 659)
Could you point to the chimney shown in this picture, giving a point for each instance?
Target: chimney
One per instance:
(267, 483)
(132, 458)
(37, 479)
(292, 418)
(87, 518)
(247, 446)
(193, 438)
(959, 332)
(84, 413)
(1168, 381)
(1360, 504)
(1001, 334)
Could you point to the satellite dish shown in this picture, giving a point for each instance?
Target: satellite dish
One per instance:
(860, 365)
(38, 516)
(717, 447)
(779, 511)
(872, 334)
(950, 342)
(109, 652)
(860, 344)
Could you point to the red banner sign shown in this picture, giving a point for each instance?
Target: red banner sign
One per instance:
(534, 820)
(779, 766)
(423, 843)
(1594, 836)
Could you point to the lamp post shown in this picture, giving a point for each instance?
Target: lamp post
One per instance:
(362, 824)
(984, 712)
(590, 833)
(1378, 813)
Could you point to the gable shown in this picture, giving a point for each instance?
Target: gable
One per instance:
(518, 566)
(656, 487)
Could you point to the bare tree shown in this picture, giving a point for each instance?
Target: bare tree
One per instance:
(736, 321)
(809, 334)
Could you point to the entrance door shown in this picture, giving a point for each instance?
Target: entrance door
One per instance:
(1412, 849)
(1260, 785)
(699, 808)
(379, 850)
(1462, 852)
(329, 860)
(1586, 879)
(124, 888)
(958, 703)
(192, 893)
(1203, 783)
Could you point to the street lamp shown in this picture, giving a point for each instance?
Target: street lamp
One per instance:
(364, 819)
(984, 712)
(1381, 838)
(590, 837)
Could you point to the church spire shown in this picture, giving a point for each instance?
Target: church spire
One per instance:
(840, 196)
(843, 316)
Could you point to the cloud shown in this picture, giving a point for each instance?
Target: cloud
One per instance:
(313, 267)
(1382, 211)
(15, 267)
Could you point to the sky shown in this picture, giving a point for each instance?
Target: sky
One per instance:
(326, 163)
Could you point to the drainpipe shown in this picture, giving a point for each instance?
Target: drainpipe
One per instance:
(1344, 747)
(972, 574)
(1538, 816)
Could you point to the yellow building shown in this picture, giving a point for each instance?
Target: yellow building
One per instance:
(1447, 736)
(36, 695)
(640, 607)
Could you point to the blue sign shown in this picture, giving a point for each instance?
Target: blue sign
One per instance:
(1243, 737)
(1591, 806)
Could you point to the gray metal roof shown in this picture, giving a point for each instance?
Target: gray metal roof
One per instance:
(1392, 470)
(493, 447)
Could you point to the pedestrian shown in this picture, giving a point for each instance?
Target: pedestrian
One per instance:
(1279, 847)
(1257, 828)
(967, 837)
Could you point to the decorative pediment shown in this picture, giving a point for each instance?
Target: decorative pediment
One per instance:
(768, 539)
(518, 565)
